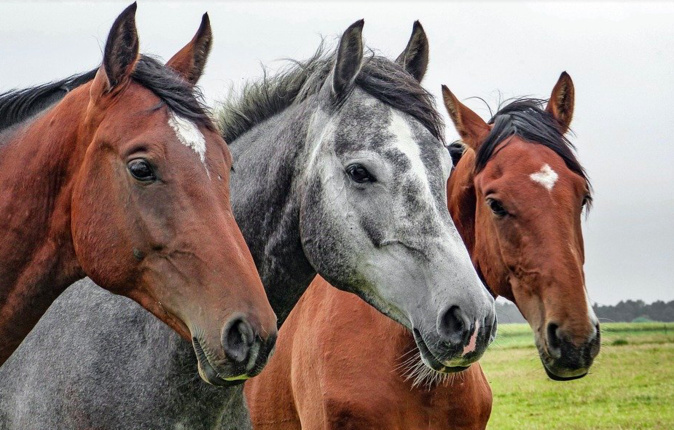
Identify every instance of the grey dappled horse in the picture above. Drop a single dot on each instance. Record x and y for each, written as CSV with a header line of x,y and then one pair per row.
x,y
339,170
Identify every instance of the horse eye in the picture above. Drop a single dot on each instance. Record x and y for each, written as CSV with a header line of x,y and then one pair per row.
x,y
496,207
586,201
141,170
358,173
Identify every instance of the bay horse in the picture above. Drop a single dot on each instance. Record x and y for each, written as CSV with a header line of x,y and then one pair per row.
x,y
125,179
516,196
339,169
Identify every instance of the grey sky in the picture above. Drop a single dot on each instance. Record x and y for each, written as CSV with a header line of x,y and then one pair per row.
x,y
620,56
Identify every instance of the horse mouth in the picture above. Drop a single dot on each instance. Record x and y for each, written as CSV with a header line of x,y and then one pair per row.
x,y
207,370
559,378
558,373
430,360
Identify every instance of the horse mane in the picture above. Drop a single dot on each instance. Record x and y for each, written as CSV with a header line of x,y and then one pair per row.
x,y
183,99
19,105
380,77
526,118
456,150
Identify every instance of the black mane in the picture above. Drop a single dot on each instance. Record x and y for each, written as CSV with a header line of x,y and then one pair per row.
x,y
183,99
527,119
380,77
19,105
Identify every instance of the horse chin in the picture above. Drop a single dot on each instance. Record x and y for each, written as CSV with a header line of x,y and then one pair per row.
x,y
431,361
555,377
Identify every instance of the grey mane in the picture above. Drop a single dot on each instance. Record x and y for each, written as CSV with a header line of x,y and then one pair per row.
x,y
381,78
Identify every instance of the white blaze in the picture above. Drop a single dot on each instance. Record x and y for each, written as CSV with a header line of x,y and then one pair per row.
x,y
189,135
407,145
546,177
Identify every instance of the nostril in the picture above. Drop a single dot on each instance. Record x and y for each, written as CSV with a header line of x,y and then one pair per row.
x,y
595,343
237,339
453,326
596,333
554,341
492,327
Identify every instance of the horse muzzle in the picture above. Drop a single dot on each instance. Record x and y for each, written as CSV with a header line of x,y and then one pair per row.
x,y
562,359
459,344
246,354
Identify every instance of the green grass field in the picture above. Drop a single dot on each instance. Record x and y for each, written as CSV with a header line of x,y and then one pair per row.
x,y
630,386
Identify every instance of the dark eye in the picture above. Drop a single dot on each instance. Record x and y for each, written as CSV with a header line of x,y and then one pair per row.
x,y
141,170
587,200
496,207
359,174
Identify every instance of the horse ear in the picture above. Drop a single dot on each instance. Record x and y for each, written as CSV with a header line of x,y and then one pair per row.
x,y
472,129
121,52
560,105
121,48
414,58
349,59
190,61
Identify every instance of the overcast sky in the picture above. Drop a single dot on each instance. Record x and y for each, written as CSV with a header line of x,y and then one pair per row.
x,y
620,56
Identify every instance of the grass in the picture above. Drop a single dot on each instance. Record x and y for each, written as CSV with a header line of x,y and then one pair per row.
x,y
630,386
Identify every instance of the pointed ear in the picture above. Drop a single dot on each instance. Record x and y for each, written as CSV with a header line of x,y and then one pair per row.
x,y
120,54
414,58
560,105
349,59
121,49
190,61
472,129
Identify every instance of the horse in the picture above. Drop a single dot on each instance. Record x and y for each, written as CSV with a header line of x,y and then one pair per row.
x,y
537,258
516,196
125,180
340,170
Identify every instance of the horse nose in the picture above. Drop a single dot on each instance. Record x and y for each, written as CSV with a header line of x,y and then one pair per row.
x,y
491,322
554,340
560,346
595,342
237,339
454,326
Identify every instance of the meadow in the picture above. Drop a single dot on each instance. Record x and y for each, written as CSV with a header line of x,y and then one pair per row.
x,y
630,386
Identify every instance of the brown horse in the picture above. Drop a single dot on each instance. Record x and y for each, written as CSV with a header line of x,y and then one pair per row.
x,y
516,197
524,230
126,180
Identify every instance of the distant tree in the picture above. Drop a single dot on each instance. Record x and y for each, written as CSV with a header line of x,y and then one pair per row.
x,y
629,310
624,311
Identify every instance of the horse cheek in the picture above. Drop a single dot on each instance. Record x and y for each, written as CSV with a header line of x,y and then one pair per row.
x,y
96,237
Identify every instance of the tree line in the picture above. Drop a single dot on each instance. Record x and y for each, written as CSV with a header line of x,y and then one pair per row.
x,y
624,311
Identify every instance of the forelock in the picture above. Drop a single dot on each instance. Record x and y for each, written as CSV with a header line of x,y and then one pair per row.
x,y
380,77
527,119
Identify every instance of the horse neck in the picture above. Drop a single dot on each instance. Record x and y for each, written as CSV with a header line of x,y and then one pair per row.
x,y
267,161
37,165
